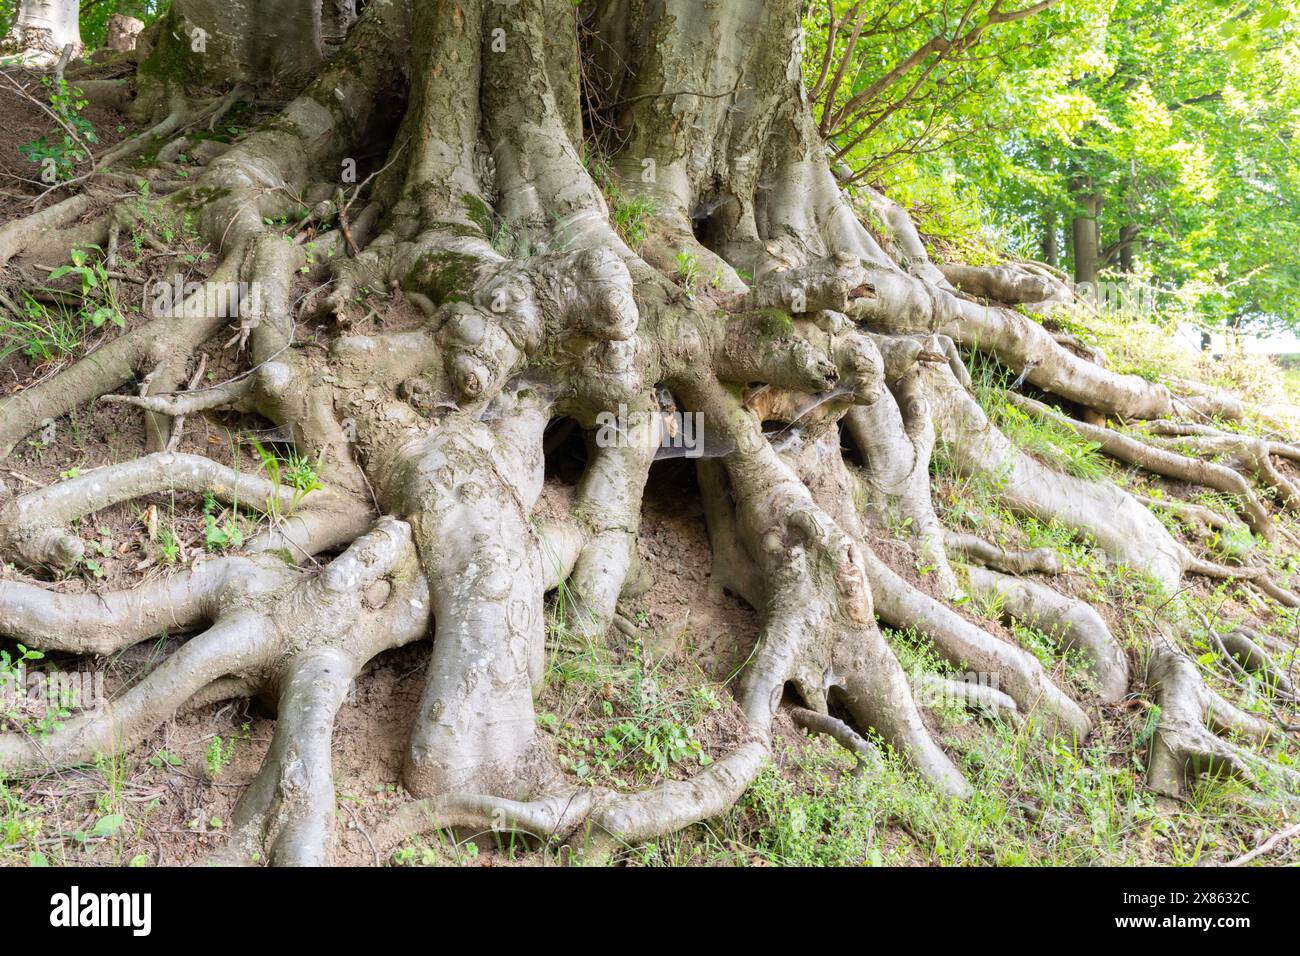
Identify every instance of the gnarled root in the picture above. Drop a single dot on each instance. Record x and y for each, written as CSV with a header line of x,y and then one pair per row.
x,y
34,526
1186,741
1073,623
1162,461
256,623
972,548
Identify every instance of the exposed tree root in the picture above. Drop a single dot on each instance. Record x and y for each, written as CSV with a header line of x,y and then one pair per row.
x,y
972,548
1073,623
1186,742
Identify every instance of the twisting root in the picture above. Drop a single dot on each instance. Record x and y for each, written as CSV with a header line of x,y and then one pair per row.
x,y
297,774
33,526
972,548
1259,661
895,436
106,623
1114,519
1073,623
1185,743
239,641
253,632
972,693
848,738
1251,455
1018,673
1161,461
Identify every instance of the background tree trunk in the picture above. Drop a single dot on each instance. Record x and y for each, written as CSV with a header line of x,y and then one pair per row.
x,y
46,25
1128,239
1086,234
1051,247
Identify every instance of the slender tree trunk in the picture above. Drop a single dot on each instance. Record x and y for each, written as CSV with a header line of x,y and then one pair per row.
x,y
1087,239
1051,249
1128,236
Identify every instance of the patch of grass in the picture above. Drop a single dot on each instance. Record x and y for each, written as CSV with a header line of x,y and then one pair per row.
x,y
1053,442
1037,802
20,826
42,333
688,273
629,215
626,723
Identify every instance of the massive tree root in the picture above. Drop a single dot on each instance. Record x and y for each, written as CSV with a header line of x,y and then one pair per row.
x,y
788,322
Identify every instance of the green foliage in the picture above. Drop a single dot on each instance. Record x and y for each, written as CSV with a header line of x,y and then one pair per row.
x,y
76,133
688,273
218,755
220,529
46,333
1058,444
629,214
1180,114
95,16
96,289
625,723
42,333
297,471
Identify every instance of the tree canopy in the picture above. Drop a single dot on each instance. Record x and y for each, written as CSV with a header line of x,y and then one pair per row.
x,y
1179,116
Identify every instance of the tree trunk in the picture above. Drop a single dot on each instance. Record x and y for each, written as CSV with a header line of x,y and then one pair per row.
x,y
1086,235
1128,239
220,41
46,27
1050,249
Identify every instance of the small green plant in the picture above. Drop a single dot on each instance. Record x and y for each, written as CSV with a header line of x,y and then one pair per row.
x,y
218,755
297,471
164,757
168,546
688,273
630,215
303,475
58,157
219,532
12,675
100,302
